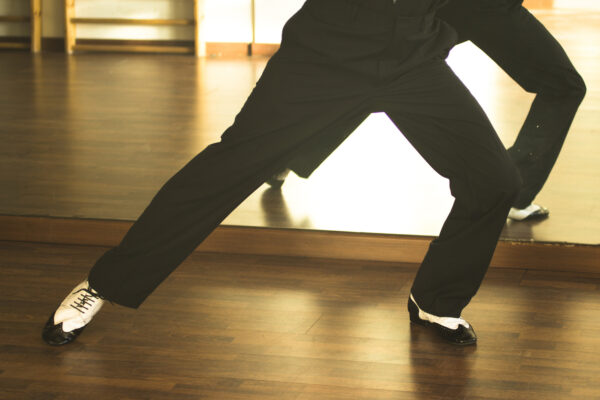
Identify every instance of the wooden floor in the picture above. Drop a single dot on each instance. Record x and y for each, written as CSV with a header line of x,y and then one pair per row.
x,y
95,135
244,327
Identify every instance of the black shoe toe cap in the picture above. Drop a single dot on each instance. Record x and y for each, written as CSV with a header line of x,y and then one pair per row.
x,y
461,336
54,335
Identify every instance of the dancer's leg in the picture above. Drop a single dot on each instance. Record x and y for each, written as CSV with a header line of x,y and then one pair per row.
x,y
442,120
265,135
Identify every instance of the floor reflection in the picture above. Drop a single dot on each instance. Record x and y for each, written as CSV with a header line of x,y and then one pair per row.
x,y
439,370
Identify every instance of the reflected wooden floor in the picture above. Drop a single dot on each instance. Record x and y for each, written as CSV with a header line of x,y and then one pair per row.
x,y
244,327
95,135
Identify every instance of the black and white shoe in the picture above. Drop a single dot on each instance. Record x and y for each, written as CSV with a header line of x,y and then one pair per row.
x,y
72,316
531,212
455,330
277,180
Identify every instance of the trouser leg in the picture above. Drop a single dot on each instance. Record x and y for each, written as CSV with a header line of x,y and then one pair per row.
x,y
265,135
445,124
306,88
523,47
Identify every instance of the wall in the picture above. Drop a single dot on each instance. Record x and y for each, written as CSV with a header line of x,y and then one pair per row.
x,y
226,20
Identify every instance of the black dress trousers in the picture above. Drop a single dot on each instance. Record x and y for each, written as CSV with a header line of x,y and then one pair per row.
x,y
524,49
339,61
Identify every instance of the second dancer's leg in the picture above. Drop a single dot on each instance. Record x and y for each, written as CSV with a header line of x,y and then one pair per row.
x,y
525,49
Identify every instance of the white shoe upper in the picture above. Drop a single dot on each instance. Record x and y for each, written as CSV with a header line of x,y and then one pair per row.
x,y
448,322
520,214
78,308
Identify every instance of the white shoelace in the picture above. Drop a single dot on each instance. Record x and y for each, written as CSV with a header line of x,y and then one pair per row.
x,y
448,322
78,308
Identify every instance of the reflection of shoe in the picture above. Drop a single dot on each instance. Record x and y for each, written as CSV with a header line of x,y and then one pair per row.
x,y
276,181
73,314
455,330
533,211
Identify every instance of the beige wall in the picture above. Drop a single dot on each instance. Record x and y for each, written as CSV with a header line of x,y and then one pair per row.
x,y
52,18
226,20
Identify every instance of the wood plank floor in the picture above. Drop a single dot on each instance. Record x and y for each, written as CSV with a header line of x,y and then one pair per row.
x,y
95,135
255,327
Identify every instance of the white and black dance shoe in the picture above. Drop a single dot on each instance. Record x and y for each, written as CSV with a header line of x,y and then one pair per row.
x,y
454,330
73,315
531,212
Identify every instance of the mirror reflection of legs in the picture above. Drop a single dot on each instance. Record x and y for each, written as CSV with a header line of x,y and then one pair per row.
x,y
519,44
